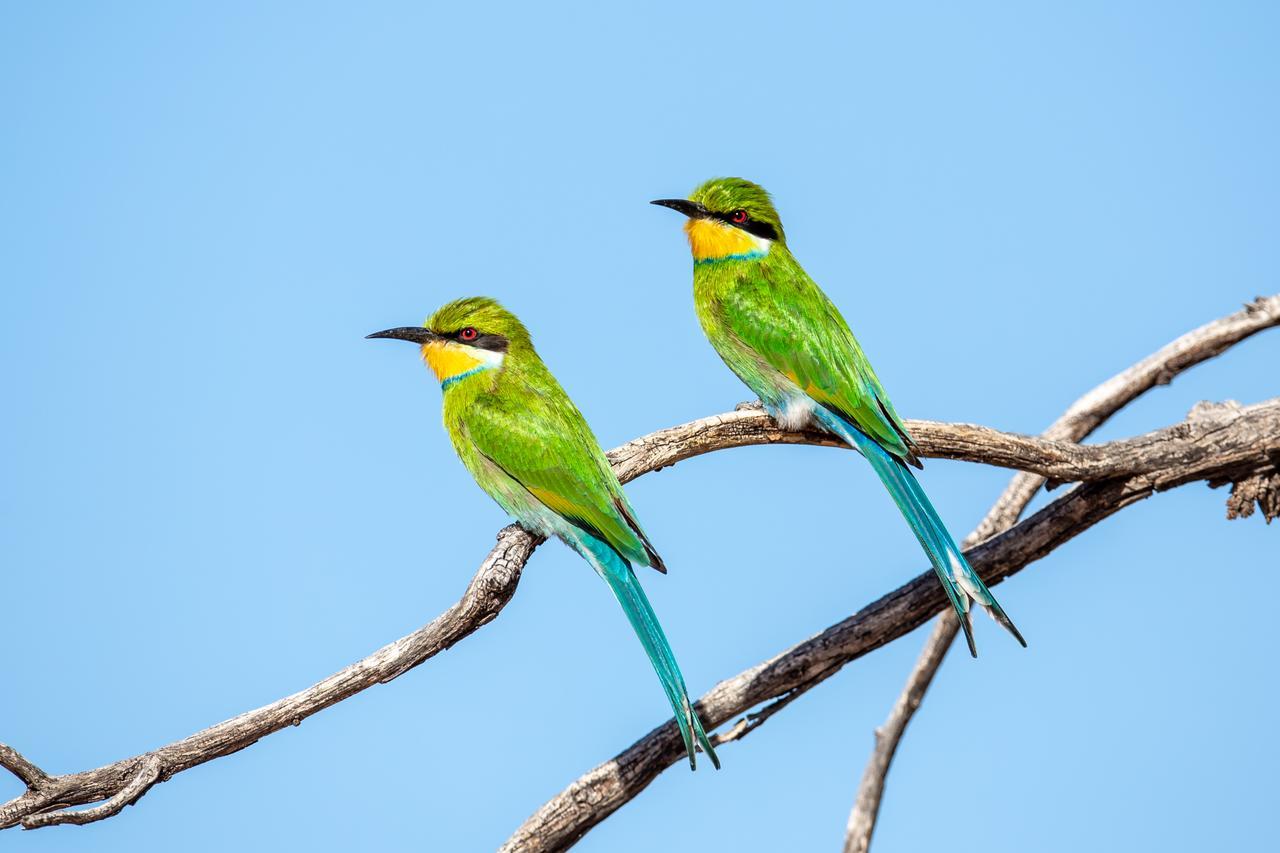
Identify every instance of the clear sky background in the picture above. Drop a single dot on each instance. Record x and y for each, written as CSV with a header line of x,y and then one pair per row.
x,y
214,492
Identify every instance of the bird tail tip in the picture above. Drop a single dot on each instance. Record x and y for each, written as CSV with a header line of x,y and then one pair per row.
x,y
962,584
1002,619
699,742
965,588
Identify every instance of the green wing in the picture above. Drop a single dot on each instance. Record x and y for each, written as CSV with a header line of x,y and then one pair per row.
x,y
541,440
795,329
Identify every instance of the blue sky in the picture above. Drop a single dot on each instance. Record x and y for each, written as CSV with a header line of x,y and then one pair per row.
x,y
214,492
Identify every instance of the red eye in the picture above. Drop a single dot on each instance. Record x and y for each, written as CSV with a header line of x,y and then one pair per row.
x,y
739,217
468,334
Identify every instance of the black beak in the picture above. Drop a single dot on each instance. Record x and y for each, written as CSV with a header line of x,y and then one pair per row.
x,y
691,209
413,334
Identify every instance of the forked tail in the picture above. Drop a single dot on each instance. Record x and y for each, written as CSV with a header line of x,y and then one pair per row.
x,y
958,578
626,587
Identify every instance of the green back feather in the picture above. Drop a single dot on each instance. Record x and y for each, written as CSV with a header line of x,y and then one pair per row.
x,y
775,327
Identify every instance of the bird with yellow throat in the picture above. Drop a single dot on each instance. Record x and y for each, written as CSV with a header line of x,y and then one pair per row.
x,y
775,328
527,445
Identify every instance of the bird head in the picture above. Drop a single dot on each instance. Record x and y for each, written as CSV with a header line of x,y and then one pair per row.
x,y
729,219
464,338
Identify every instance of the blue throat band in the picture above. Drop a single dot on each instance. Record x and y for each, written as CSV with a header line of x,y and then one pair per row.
x,y
753,255
444,386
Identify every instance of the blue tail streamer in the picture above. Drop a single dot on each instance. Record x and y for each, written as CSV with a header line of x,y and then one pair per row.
x,y
626,588
960,581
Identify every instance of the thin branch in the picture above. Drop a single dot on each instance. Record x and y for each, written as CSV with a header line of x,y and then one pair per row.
x,y
1059,461
13,761
147,775
1083,416
750,722
1159,368
486,595
862,819
600,792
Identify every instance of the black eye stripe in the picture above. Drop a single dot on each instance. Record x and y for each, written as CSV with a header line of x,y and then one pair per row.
x,y
483,340
751,226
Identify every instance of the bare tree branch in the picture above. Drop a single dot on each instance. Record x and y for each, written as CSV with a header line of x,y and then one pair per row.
x,y
493,586
600,792
495,582
124,781
557,825
15,763
862,819
1159,368
1059,461
147,774
1077,423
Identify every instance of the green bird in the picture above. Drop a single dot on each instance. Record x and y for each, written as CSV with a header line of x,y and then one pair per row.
x,y
782,336
530,449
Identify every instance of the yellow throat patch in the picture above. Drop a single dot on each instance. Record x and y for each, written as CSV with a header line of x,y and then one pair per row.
x,y
447,360
711,240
